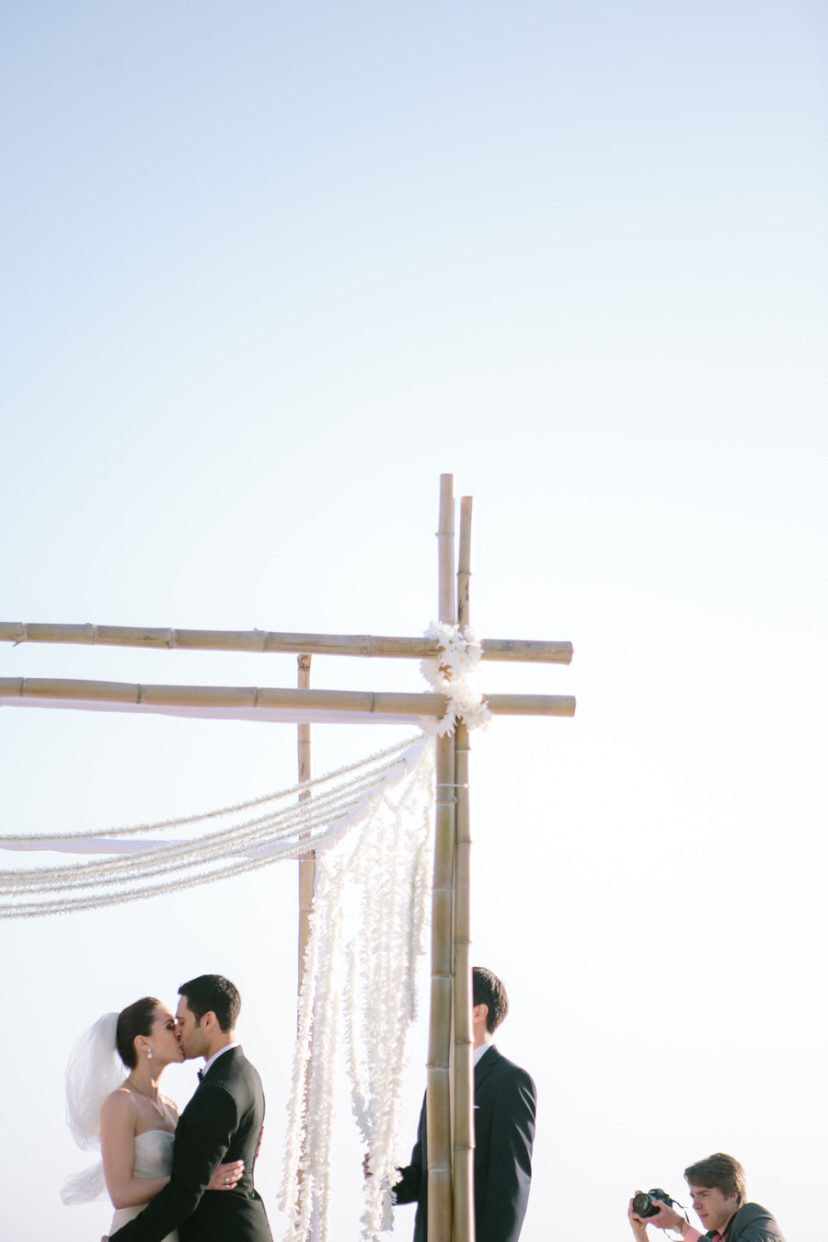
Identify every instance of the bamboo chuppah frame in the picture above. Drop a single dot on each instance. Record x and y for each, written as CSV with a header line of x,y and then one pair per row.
x,y
449,1112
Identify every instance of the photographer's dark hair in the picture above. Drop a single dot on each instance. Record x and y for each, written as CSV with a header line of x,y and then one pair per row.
x,y
136,1019
488,990
719,1172
213,993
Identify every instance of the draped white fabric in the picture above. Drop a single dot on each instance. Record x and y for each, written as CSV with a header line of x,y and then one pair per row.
x,y
261,715
208,846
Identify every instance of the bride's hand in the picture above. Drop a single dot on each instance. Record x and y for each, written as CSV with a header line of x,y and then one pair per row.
x,y
227,1176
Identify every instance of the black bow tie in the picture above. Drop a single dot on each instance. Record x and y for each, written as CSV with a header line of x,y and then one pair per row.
x,y
200,1074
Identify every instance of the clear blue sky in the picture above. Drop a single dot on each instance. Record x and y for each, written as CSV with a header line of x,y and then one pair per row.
x,y
267,271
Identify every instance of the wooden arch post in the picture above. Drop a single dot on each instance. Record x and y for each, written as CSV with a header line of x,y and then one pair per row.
x,y
438,1087
463,1151
307,863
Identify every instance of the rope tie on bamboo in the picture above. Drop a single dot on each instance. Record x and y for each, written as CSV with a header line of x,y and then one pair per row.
x,y
453,672
24,634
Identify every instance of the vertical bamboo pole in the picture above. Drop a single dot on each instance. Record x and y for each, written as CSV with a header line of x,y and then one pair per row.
x,y
307,864
438,1090
463,1155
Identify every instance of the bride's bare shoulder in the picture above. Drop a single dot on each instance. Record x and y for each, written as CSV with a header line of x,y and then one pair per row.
x,y
118,1106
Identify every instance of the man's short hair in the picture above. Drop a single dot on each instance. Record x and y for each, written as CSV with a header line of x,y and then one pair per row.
x,y
719,1172
488,990
213,993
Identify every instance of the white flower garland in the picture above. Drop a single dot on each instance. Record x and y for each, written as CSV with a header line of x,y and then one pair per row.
x,y
283,827
454,673
367,931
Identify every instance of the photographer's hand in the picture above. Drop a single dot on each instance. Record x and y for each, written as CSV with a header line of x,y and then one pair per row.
x,y
637,1224
668,1218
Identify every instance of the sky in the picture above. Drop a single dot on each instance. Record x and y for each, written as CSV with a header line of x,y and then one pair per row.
x,y
268,271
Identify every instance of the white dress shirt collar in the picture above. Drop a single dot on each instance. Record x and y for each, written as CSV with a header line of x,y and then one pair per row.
x,y
480,1052
216,1056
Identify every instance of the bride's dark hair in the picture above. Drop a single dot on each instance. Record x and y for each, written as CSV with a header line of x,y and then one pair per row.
x,y
136,1019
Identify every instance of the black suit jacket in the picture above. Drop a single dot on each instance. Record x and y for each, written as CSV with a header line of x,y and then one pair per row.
x,y
222,1122
753,1223
504,1131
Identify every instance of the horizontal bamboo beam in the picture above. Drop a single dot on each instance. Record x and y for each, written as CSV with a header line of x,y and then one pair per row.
x,y
267,641
387,703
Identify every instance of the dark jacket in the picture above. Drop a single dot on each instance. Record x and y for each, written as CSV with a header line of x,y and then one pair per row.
x,y
753,1223
222,1122
504,1131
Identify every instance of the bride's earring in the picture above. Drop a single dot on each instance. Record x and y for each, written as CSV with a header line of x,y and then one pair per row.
x,y
149,1054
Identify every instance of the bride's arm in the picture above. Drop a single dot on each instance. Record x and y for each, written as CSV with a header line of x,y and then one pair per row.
x,y
118,1117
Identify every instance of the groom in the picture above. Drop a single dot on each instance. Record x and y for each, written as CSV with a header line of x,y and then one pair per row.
x,y
221,1123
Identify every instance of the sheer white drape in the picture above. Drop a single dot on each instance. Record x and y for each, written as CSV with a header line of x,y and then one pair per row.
x,y
219,844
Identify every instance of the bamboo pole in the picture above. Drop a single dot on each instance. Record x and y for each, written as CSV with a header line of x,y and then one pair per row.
x,y
307,863
463,1155
248,699
270,642
307,869
438,1090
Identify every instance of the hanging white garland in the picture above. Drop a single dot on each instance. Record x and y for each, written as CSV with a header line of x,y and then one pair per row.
x,y
366,933
453,672
282,828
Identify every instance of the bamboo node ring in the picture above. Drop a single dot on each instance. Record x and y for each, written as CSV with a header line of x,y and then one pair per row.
x,y
24,634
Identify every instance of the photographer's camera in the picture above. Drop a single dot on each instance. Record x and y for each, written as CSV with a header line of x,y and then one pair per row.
x,y
644,1204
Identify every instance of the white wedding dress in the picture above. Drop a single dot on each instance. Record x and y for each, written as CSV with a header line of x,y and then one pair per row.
x,y
153,1158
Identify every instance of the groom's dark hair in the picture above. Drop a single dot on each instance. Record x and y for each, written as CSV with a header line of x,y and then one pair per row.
x,y
213,994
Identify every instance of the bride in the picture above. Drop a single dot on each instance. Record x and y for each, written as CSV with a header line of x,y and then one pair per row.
x,y
132,1121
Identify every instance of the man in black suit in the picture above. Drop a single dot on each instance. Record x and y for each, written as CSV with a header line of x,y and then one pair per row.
x,y
504,1129
221,1123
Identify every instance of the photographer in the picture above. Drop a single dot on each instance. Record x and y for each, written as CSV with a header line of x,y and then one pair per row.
x,y
717,1190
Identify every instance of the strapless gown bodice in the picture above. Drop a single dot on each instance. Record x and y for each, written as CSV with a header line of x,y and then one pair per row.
x,y
153,1158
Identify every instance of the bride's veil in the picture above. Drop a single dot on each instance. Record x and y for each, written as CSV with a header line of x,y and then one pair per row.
x,y
94,1070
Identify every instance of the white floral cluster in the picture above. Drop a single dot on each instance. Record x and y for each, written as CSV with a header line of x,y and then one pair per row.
x,y
367,931
454,673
